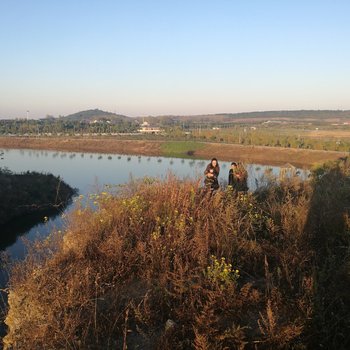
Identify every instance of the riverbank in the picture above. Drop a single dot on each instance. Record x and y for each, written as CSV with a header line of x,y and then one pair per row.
x,y
30,193
200,150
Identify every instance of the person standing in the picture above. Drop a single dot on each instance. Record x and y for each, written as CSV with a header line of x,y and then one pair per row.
x,y
233,176
212,174
237,177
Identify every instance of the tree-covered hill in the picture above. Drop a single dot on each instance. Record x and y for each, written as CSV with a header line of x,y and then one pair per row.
x,y
95,114
298,115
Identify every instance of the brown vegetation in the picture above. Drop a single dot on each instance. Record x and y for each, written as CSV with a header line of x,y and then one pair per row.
x,y
162,265
76,144
226,152
268,155
337,134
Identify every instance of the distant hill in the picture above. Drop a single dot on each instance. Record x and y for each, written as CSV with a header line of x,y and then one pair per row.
x,y
299,115
96,114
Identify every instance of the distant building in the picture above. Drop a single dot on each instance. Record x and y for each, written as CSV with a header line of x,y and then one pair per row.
x,y
273,122
100,121
146,128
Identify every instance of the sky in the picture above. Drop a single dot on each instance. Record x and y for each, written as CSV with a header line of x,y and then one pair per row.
x,y
173,57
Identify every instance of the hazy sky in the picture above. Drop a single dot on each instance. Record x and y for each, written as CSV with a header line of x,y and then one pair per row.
x,y
142,57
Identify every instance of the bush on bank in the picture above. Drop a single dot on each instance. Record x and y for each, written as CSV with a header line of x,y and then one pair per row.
x,y
162,265
30,192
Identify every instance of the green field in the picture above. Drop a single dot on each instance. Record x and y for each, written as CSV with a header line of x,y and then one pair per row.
x,y
180,149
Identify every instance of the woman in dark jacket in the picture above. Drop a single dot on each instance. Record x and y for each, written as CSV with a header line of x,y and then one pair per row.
x,y
211,174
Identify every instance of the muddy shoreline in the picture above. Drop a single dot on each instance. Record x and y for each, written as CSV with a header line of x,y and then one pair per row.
x,y
225,152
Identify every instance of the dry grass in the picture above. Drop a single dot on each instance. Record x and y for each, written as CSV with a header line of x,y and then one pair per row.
x,y
77,144
268,155
321,134
162,265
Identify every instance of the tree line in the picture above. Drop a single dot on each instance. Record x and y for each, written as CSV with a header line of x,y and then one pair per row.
x,y
57,126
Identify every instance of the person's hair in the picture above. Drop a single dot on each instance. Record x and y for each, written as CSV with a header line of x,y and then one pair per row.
x,y
234,163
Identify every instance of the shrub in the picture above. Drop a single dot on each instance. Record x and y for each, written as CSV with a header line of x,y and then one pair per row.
x,y
164,265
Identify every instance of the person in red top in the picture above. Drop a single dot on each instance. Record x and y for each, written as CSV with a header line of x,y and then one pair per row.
x,y
211,175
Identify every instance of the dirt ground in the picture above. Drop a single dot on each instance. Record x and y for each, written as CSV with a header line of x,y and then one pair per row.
x,y
225,152
97,145
268,155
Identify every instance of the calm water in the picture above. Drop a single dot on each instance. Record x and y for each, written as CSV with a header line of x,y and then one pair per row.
x,y
89,172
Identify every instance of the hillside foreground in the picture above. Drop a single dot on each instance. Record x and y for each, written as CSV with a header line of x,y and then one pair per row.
x,y
202,150
163,265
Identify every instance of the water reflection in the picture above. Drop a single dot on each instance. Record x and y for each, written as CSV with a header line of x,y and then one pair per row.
x,y
16,228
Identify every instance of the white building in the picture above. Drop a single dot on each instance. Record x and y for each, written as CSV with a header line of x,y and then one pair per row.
x,y
147,129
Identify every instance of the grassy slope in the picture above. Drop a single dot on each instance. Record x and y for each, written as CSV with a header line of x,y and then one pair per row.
x,y
262,271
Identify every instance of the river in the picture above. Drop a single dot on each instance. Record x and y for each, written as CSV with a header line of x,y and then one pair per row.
x,y
89,172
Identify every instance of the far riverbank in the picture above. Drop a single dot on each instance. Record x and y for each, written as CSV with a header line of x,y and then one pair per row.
x,y
200,150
